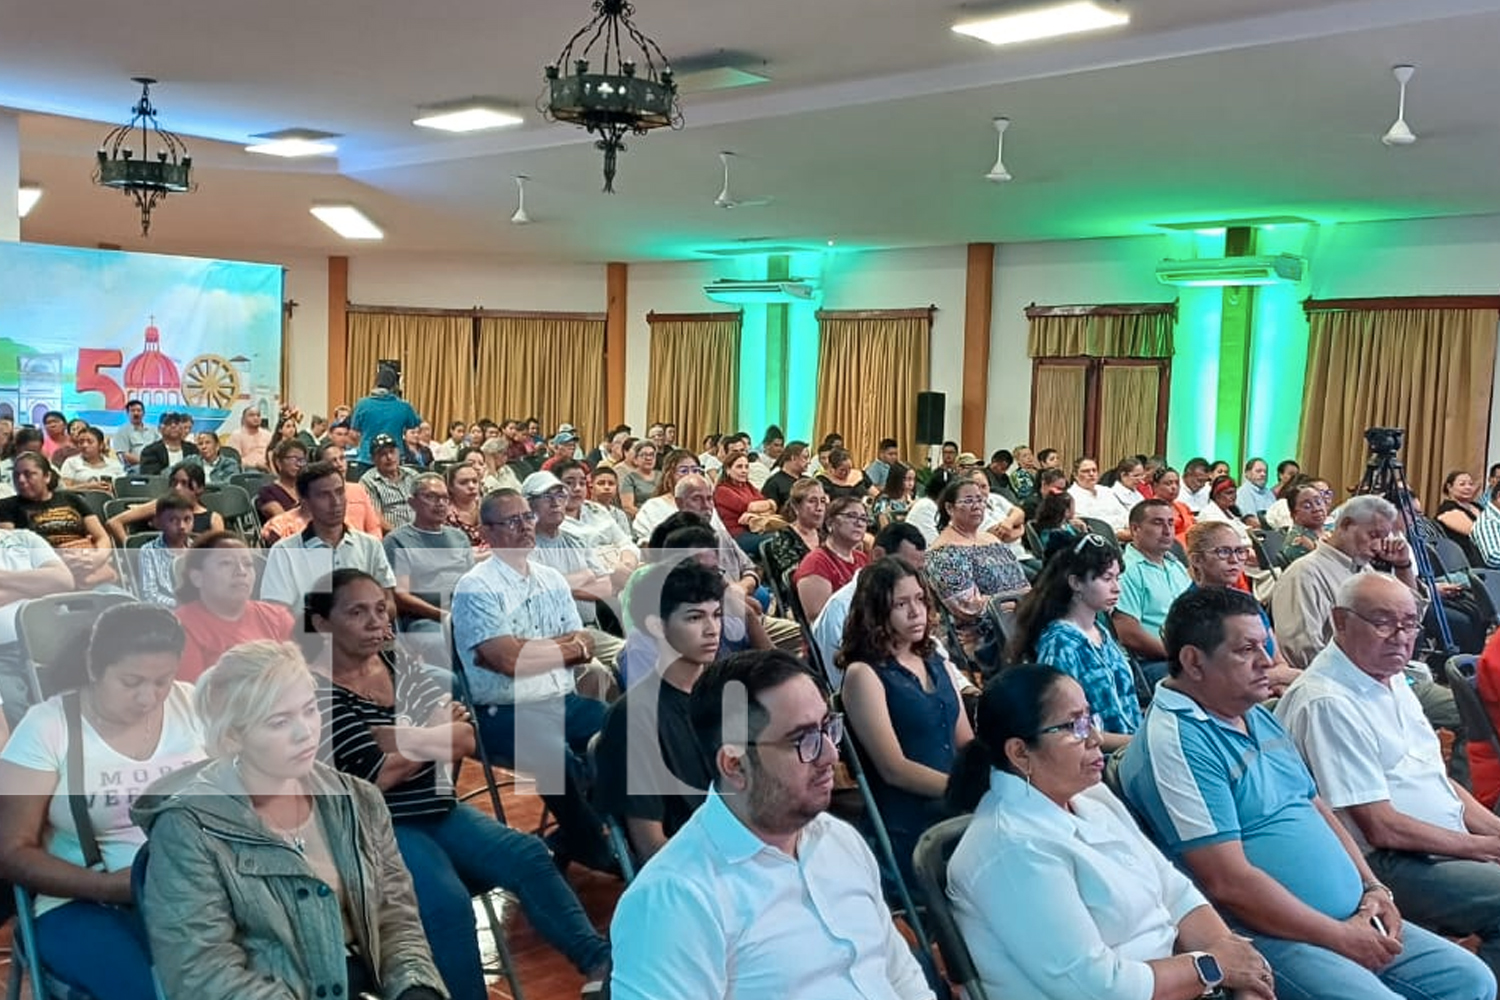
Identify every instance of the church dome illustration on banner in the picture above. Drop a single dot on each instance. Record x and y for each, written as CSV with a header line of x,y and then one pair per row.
x,y
205,388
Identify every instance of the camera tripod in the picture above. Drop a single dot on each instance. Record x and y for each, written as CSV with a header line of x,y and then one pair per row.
x,y
1385,476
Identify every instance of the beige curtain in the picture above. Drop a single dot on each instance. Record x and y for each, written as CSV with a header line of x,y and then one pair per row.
x,y
1057,409
1100,335
1427,370
436,355
695,375
869,373
1128,400
551,368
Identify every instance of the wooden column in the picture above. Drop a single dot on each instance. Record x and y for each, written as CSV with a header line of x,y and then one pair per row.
x,y
338,331
617,281
979,287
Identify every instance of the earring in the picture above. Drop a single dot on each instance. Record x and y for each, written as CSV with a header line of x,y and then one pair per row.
x,y
234,762
1028,778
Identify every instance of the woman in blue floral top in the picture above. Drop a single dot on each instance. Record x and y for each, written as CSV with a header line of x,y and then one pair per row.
x,y
1058,624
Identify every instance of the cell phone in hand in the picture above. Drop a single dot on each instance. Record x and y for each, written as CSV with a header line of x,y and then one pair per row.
x,y
1379,925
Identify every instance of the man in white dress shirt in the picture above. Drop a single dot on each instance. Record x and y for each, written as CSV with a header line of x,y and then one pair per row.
x,y
1379,765
762,892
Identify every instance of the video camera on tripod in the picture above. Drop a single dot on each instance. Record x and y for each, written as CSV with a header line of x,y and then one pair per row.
x,y
1385,476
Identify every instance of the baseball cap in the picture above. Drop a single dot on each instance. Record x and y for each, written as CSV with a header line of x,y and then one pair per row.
x,y
968,458
538,483
382,441
564,435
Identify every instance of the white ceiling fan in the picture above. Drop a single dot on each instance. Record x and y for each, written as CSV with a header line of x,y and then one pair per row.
x,y
1400,134
520,218
727,200
998,173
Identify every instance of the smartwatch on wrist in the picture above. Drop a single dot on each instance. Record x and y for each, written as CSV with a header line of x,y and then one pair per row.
x,y
1209,973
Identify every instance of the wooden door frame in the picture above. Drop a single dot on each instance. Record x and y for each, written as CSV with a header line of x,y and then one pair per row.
x,y
1093,369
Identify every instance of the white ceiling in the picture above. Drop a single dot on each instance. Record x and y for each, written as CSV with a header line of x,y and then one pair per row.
x,y
875,131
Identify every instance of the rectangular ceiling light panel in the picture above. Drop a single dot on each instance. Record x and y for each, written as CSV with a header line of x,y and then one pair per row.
x,y
1044,22
348,221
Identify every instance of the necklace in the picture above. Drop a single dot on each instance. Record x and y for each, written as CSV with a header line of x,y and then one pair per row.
x,y
294,837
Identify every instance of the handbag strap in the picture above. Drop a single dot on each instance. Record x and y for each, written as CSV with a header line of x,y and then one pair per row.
x,y
77,800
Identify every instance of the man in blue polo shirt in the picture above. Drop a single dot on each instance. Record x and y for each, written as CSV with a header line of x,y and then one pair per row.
x,y
1151,581
383,411
1224,792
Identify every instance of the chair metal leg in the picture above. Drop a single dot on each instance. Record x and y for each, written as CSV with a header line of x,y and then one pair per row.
x,y
507,965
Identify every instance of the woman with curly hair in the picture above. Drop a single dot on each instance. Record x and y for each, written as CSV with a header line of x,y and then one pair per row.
x,y
902,697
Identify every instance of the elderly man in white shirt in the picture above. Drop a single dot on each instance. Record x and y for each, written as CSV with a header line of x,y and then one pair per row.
x,y
1379,764
1097,502
762,893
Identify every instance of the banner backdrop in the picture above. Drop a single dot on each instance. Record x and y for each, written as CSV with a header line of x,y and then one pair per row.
x,y
82,331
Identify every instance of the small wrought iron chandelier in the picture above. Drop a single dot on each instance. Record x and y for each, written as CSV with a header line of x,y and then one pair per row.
x,y
617,97
144,179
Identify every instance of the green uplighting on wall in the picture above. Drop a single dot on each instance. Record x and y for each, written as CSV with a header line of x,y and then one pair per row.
x,y
774,389
1278,357
1193,409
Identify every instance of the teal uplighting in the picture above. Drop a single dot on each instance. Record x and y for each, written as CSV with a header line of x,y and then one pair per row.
x,y
764,392
1193,407
1278,355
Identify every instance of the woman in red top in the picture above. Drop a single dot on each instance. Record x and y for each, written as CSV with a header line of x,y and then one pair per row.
x,y
738,502
214,605
1166,485
1484,768
834,563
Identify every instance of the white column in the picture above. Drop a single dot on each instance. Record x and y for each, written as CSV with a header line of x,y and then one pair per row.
x,y
10,175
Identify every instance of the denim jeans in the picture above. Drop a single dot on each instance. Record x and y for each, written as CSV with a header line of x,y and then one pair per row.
x,y
1453,896
464,852
100,949
1428,968
556,736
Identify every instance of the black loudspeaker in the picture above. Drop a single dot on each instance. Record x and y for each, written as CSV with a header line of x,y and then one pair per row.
x,y
930,406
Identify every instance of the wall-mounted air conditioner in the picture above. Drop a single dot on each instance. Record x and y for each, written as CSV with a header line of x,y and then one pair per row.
x,y
1282,268
740,292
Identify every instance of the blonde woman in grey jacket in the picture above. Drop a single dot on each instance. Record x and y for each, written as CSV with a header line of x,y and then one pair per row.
x,y
272,875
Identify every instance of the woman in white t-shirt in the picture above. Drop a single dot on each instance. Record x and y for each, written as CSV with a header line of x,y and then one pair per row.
x,y
134,723
93,468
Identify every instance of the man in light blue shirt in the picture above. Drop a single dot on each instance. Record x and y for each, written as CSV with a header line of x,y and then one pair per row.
x,y
1255,497
1223,791
1151,581
762,893
135,435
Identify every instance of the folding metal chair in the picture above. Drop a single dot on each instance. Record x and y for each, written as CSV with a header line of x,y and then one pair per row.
x,y
25,964
930,863
145,487
233,504
619,842
46,626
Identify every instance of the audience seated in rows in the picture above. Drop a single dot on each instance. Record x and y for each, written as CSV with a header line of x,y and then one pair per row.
x,y
215,604
252,440
660,506
903,699
1224,792
93,467
841,478
389,483
896,496
1060,623
298,561
765,893
597,523
900,541
1166,485
1254,496
743,509
288,459
171,445
790,469
155,562
1096,502
639,478
1057,892
71,770
1215,558
133,435
187,480
426,557
387,720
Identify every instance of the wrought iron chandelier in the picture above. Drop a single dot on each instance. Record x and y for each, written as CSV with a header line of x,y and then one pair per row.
x,y
617,97
144,179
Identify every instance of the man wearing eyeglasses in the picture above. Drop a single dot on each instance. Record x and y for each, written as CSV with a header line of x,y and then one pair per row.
x,y
765,894
1380,765
1222,789
519,638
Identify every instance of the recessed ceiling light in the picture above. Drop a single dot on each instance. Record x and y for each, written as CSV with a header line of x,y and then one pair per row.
x,y
293,147
26,198
348,221
1044,22
467,116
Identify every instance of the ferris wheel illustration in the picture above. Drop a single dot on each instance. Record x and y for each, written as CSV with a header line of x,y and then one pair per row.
x,y
210,381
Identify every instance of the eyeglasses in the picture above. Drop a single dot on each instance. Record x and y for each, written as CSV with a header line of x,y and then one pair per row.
x,y
860,519
552,496
438,498
1080,727
969,502
1387,628
1088,539
514,523
1231,553
809,744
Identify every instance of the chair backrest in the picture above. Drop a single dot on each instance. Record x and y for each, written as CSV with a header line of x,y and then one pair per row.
x,y
776,573
619,842
1003,614
251,482
140,538
118,506
930,863
1272,542
1488,589
149,487
1034,542
47,626
1450,555
355,470
233,504
94,500
1102,529
1471,711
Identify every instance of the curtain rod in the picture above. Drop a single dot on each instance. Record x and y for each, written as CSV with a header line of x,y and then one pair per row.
x,y
1391,302
1035,311
475,313
703,317
924,312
